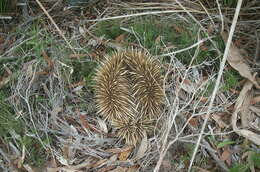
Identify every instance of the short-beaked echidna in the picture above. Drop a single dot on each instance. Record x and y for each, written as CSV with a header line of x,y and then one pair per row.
x,y
129,92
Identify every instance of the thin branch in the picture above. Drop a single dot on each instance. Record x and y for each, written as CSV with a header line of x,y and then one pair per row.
x,y
55,25
222,65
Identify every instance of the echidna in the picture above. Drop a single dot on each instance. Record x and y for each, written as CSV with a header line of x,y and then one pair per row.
x,y
112,88
133,130
129,92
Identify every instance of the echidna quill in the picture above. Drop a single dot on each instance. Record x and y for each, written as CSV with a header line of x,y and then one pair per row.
x,y
126,83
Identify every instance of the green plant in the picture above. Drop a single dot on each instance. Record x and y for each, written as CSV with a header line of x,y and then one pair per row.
x,y
231,80
7,6
8,120
110,29
239,168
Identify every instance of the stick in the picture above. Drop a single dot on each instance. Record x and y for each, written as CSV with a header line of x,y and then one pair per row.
x,y
220,72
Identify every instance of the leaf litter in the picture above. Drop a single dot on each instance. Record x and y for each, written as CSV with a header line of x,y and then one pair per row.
x,y
94,136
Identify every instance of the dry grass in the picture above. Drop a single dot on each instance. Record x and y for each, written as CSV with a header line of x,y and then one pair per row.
x,y
59,111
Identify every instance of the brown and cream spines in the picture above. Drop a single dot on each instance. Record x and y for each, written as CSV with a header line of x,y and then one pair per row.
x,y
129,93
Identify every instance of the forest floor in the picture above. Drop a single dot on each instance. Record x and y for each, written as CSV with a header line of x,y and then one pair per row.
x,y
210,57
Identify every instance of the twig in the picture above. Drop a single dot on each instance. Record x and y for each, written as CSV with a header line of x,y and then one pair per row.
x,y
187,48
221,16
55,25
143,14
6,17
222,65
215,157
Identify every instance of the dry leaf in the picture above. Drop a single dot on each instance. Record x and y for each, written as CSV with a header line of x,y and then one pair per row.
x,y
119,150
226,156
236,60
120,38
158,39
107,169
217,119
194,122
76,56
134,168
53,169
47,59
82,31
124,155
188,86
28,168
166,164
102,125
119,169
255,100
99,163
142,148
254,137
178,28
200,169
4,80
113,158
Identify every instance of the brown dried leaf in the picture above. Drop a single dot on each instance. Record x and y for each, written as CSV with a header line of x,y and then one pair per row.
x,y
47,59
194,122
120,38
142,148
99,163
119,150
226,156
200,169
108,168
255,100
188,86
124,155
119,169
218,120
28,168
247,90
133,168
166,164
4,80
236,60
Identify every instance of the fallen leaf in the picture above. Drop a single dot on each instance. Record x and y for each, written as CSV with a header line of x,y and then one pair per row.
x,y
110,168
188,86
134,168
102,125
158,39
119,169
47,59
120,38
73,56
124,155
200,169
166,164
99,163
218,120
113,158
236,60
119,150
255,100
254,137
178,28
28,168
226,156
142,148
194,122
